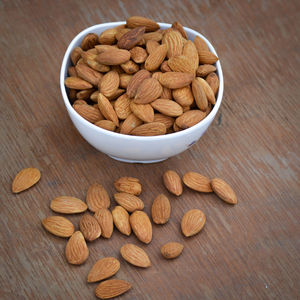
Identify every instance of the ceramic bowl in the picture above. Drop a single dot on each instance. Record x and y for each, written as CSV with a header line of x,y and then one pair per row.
x,y
136,149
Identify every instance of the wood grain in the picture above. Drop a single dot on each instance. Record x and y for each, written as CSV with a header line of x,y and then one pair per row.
x,y
249,251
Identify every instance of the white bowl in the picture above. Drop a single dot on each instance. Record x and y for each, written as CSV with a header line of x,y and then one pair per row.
x,y
136,149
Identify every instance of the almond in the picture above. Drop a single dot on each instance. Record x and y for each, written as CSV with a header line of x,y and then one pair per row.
x,y
124,80
106,124
103,48
161,209
76,250
94,97
157,75
107,109
197,182
208,90
166,94
90,60
149,129
103,268
88,112
85,94
154,36
109,83
135,256
108,36
130,202
171,250
204,70
141,226
156,57
25,179
131,38
131,122
112,288
207,57
190,51
165,67
167,107
136,81
130,67
58,226
128,185
166,120
72,72
199,95
68,205
149,90
89,41
179,27
97,197
192,222
88,74
151,45
200,44
176,80
137,21
121,32
79,102
117,94
113,57
77,83
172,182
183,96
176,128
89,227
223,190
144,112
122,107
190,118
181,63
174,42
76,55
121,220
105,220
138,55
72,95
213,80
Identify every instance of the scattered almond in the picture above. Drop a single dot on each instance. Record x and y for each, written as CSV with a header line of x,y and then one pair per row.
x,y
223,190
112,288
161,209
105,220
68,205
171,250
25,179
130,202
97,197
58,226
172,182
135,256
128,185
197,182
192,222
121,220
141,226
76,250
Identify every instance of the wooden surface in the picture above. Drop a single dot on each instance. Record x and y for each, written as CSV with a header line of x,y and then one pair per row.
x,y
249,251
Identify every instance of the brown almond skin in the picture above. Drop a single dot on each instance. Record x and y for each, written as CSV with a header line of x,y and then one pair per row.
x,y
156,57
89,227
192,222
112,288
77,83
97,197
129,201
113,57
121,220
25,179
141,226
204,70
183,96
149,90
105,220
109,83
58,226
137,21
76,250
166,120
103,269
199,95
161,209
88,112
223,190
167,107
171,250
172,182
68,205
174,42
135,255
136,81
149,129
197,182
145,112
131,122
107,109
138,55
175,80
190,118
129,185
213,80
131,38
89,41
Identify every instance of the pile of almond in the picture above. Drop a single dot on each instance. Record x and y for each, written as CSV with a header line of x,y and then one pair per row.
x,y
127,216
141,80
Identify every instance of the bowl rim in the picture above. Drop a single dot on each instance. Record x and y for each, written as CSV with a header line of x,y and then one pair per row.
x,y
206,121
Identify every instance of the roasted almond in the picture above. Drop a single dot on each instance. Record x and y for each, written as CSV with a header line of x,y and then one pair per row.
x,y
77,83
131,38
136,81
166,94
103,268
124,80
175,80
128,185
192,222
137,21
68,205
174,41
105,220
25,179
109,83
190,118
138,54
154,36
76,250
181,63
130,67
121,220
89,227
141,226
167,107
135,256
199,95
97,197
108,36
58,226
223,190
156,57
197,182
151,45
144,112
171,250
88,112
149,129
190,51
164,67
89,41
112,288
161,209
183,96
107,109
204,70
208,90
113,57
172,182
213,80
131,122
130,202
149,90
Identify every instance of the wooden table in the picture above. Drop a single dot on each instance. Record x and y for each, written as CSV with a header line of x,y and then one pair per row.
x,y
249,251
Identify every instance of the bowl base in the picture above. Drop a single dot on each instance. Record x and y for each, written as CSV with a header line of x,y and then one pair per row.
x,y
137,161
